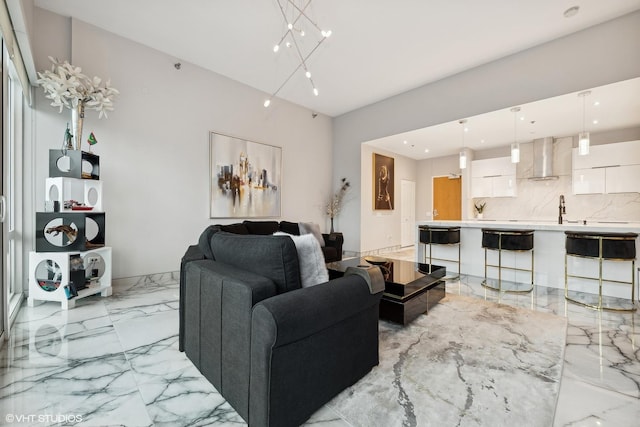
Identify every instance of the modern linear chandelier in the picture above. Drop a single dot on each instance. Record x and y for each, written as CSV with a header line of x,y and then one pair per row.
x,y
299,29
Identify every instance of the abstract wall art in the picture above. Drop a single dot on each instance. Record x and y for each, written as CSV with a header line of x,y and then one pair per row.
x,y
245,178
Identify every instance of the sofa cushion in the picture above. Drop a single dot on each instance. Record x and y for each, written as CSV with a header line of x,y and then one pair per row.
x,y
312,228
290,228
313,270
261,227
274,257
237,228
330,254
204,242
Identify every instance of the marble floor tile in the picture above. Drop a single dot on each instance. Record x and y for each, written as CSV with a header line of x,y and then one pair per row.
x,y
585,405
114,361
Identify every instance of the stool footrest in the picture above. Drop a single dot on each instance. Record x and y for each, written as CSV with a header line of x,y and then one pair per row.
x,y
509,287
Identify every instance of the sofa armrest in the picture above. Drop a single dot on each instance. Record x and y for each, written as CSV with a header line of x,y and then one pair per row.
x,y
316,308
218,302
308,345
193,254
334,240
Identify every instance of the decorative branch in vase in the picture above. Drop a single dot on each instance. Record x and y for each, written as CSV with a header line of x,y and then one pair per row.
x,y
68,87
335,203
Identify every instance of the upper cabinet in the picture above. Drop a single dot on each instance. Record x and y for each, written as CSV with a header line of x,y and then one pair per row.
x,y
608,168
493,178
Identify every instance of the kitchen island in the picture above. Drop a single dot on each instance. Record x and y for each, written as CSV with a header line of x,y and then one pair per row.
x,y
549,254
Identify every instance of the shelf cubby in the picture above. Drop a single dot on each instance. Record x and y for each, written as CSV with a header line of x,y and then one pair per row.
x,y
74,164
69,231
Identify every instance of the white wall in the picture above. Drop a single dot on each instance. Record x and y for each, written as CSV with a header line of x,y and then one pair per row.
x,y
380,229
600,55
154,147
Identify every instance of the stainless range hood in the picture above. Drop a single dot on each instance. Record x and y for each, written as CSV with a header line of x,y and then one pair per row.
x,y
543,159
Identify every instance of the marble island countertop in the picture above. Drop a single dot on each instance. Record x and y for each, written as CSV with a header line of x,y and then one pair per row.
x,y
597,226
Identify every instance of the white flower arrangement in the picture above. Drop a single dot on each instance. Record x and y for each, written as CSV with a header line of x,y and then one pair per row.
x,y
67,87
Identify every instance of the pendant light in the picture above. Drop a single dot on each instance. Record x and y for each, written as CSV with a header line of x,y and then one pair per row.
x,y
463,152
583,137
515,146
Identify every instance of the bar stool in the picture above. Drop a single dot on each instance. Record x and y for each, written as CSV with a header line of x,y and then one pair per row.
x,y
506,240
430,235
619,247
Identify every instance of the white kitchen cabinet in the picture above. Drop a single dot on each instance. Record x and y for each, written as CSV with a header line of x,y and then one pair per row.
x,y
619,153
622,179
588,181
608,168
505,186
493,167
493,178
481,187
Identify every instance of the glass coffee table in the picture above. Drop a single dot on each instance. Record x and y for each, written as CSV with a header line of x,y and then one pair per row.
x,y
411,288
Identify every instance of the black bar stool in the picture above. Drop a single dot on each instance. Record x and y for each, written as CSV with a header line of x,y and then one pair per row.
x,y
430,235
506,240
603,247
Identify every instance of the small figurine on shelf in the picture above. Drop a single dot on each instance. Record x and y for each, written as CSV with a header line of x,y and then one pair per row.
x,y
92,141
67,141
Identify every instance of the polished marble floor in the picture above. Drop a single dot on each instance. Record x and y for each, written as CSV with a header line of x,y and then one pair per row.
x,y
114,361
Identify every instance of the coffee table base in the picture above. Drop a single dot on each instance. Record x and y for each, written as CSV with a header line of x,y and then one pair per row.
x,y
404,311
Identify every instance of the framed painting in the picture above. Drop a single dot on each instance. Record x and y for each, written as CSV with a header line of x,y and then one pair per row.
x,y
245,178
383,183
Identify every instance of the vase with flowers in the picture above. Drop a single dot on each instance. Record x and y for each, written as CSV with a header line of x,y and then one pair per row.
x,y
66,86
335,203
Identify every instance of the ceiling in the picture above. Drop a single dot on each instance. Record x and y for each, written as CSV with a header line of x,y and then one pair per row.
x,y
378,48
614,106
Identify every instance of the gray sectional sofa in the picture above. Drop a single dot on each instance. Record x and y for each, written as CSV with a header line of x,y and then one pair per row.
x,y
275,351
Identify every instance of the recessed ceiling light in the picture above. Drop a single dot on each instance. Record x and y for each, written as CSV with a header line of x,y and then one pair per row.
x,y
595,121
596,103
404,142
426,150
482,141
572,11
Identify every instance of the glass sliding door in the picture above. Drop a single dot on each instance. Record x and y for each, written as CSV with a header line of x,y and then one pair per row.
x,y
11,200
4,308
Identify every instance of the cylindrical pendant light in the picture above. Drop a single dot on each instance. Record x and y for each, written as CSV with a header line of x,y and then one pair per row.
x,y
515,145
463,152
583,137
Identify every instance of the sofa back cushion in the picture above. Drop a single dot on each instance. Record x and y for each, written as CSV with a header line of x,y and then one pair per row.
x,y
237,228
204,242
274,257
261,227
290,228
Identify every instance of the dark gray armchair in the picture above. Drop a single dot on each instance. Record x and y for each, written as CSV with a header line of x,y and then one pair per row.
x,y
277,352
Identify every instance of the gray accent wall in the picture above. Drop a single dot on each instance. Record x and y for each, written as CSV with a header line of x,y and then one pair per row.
x,y
603,54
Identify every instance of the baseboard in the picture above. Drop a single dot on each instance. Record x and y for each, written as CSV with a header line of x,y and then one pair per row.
x,y
156,278
353,254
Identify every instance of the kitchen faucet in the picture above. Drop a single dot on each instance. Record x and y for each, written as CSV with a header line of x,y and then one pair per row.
x,y
562,210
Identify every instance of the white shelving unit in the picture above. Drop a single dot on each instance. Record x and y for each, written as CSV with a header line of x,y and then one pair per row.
x,y
50,273
71,261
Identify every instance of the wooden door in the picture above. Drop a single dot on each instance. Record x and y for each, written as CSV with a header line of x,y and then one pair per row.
x,y
447,198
